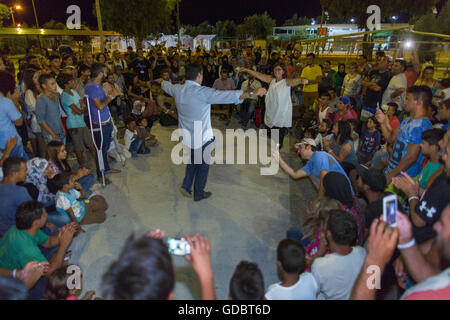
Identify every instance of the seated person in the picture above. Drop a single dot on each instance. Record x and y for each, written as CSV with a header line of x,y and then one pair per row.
x,y
168,115
296,284
71,209
57,288
370,142
20,245
336,272
430,149
11,195
149,257
144,132
134,142
247,282
39,171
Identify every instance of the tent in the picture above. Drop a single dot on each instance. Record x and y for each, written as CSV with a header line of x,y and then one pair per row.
x,y
204,41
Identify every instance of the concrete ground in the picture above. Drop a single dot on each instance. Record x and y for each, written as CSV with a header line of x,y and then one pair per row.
x,y
246,217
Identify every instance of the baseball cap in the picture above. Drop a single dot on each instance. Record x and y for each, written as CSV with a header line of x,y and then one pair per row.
x,y
344,100
309,141
374,178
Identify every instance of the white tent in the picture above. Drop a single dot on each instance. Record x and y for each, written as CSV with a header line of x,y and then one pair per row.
x,y
204,41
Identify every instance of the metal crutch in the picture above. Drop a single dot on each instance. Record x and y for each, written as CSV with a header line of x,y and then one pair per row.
x,y
101,164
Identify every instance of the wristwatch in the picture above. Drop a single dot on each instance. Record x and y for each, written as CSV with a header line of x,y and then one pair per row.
x,y
250,93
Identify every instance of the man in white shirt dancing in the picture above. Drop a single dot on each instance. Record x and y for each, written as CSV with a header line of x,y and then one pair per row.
x,y
193,102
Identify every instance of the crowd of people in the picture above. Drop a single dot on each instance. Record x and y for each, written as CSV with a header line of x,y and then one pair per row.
x,y
379,129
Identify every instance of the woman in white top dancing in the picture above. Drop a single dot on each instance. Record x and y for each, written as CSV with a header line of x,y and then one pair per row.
x,y
278,99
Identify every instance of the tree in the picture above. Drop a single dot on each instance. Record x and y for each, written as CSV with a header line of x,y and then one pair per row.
x,y
225,29
295,20
138,18
256,27
4,13
202,28
432,23
53,24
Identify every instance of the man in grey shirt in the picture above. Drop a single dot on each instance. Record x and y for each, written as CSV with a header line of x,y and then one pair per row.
x,y
193,102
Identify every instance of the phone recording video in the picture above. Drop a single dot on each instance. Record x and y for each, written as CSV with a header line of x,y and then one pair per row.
x,y
178,247
390,210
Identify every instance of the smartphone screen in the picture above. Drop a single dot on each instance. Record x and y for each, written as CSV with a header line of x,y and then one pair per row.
x,y
178,247
391,211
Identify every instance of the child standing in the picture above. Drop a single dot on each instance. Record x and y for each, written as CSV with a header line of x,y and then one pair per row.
x,y
133,141
370,141
71,209
430,149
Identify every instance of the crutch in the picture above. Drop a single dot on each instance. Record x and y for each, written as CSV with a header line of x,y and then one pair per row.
x,y
101,164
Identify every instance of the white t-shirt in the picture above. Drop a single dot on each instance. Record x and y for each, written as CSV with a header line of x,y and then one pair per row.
x,y
397,81
306,288
335,274
278,105
129,138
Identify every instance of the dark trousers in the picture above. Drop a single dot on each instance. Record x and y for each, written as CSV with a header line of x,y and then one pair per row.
x,y
282,132
198,171
107,132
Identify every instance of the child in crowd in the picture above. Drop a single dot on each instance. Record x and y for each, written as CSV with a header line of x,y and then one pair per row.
x,y
247,282
296,284
354,124
314,240
444,114
370,141
133,141
57,288
144,132
71,209
430,149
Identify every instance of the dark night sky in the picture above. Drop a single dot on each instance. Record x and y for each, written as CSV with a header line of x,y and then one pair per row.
x,y
191,11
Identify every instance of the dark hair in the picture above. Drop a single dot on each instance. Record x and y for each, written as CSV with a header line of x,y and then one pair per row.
x,y
331,89
247,282
56,288
28,80
12,289
143,271
62,79
393,105
82,69
328,123
29,58
61,179
343,227
129,120
354,122
52,155
311,55
53,56
44,78
422,93
363,56
445,83
100,54
374,119
428,68
328,61
11,165
192,70
325,94
291,255
282,66
402,62
27,213
433,136
344,132
7,83
96,69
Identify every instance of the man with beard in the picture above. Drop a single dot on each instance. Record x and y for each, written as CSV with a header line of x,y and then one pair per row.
x,y
100,115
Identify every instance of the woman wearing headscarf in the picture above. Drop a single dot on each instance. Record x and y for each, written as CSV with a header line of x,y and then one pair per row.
x,y
337,187
39,171
338,78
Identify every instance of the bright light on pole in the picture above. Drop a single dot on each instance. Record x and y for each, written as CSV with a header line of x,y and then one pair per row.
x,y
352,20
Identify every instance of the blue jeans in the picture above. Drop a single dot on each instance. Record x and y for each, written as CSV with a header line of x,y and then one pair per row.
x,y
297,235
87,182
19,151
197,171
58,219
136,146
107,132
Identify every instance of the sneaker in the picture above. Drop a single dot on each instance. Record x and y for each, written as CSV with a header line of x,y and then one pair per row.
x,y
186,193
206,195
147,150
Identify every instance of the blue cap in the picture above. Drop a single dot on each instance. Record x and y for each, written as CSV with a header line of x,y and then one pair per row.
x,y
344,100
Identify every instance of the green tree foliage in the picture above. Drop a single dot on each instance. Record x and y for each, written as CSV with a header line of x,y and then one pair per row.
x,y
256,27
202,28
139,18
296,20
432,23
53,24
225,29
4,13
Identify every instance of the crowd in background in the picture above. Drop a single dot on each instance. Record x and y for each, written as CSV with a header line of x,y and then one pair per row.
x,y
366,130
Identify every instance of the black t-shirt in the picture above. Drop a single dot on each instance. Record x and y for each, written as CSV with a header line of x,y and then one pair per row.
x,y
141,67
160,65
373,97
429,209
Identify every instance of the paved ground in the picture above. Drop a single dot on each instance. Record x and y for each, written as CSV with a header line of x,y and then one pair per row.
x,y
245,218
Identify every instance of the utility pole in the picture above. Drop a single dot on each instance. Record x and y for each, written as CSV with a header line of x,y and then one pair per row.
x,y
100,26
178,23
37,24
